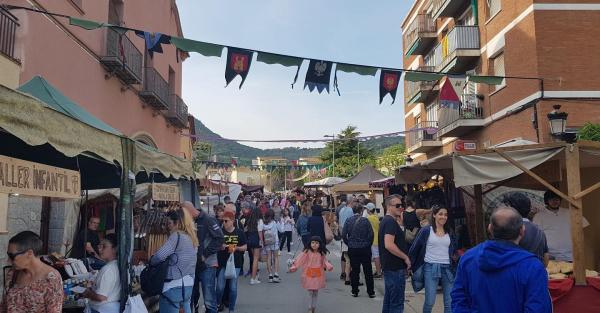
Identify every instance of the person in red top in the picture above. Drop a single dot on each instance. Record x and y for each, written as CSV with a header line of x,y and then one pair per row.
x,y
32,286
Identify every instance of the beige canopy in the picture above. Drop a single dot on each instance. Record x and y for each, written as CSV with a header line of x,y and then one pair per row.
x,y
360,181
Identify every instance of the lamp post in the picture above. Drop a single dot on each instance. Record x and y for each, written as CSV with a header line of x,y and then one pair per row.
x,y
408,160
358,150
558,121
333,143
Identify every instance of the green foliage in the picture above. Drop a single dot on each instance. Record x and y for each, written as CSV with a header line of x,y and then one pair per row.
x,y
391,158
348,166
589,131
346,146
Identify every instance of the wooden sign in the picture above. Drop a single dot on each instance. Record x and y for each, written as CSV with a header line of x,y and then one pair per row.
x,y
35,179
165,192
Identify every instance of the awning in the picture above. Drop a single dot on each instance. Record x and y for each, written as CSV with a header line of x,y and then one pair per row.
x,y
381,183
360,181
152,160
325,182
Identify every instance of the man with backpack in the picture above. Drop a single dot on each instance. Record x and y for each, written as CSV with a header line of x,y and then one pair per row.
x,y
358,235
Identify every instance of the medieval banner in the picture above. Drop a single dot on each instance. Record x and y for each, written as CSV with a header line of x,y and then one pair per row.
x,y
388,83
238,63
318,75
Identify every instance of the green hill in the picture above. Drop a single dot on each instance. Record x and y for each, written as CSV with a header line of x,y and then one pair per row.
x,y
225,149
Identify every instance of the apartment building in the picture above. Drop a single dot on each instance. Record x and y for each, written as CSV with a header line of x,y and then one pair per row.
x,y
552,40
115,80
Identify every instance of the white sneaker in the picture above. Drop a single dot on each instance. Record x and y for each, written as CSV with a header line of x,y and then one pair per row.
x,y
270,278
254,281
291,243
289,253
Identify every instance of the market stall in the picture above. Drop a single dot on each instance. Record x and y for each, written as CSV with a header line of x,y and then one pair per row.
x,y
359,184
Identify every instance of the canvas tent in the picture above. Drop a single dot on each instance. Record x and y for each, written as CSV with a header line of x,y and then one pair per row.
x,y
325,182
360,181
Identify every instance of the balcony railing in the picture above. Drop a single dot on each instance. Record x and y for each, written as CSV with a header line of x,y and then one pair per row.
x,y
155,90
447,7
178,111
123,59
469,108
459,38
413,89
424,131
8,29
423,23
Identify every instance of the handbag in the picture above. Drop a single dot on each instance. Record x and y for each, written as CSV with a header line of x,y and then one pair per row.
x,y
135,304
328,232
230,272
153,277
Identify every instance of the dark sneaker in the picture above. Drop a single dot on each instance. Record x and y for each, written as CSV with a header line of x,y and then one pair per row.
x,y
355,294
347,283
343,276
372,296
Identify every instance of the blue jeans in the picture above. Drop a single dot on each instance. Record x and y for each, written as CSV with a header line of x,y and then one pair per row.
x,y
433,274
171,300
232,288
393,298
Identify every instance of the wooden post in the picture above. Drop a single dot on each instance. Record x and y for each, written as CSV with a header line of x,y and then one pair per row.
x,y
479,223
3,213
574,187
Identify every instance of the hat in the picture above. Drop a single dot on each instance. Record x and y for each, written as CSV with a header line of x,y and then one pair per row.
x,y
370,206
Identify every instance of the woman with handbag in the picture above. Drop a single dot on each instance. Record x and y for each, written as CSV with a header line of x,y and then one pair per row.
x,y
433,255
180,251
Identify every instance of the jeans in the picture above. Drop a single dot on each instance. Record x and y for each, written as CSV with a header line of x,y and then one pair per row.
x,y
393,298
358,257
206,279
171,300
433,274
286,236
221,281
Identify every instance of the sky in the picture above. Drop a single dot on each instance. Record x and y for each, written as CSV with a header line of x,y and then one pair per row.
x,y
266,107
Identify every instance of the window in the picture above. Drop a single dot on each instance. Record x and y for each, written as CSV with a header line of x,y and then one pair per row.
x,y
497,64
432,112
493,7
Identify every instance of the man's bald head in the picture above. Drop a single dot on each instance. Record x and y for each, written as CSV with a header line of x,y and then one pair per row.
x,y
188,206
506,224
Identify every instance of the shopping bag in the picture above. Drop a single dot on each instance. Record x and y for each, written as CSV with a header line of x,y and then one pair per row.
x,y
135,304
230,271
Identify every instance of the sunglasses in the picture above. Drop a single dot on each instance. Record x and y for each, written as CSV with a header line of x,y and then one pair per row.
x,y
12,256
398,205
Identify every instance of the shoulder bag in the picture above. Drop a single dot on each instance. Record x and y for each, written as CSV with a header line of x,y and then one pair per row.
x,y
153,277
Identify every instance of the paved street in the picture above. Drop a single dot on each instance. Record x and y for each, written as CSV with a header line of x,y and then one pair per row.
x,y
288,296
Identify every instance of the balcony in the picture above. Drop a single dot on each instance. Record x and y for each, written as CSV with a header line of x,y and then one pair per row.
x,y
126,62
447,8
8,29
455,122
178,112
155,91
417,92
457,52
420,35
422,139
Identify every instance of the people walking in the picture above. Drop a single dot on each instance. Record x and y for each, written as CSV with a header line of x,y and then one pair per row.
x,y
433,256
498,275
210,238
270,233
287,223
313,261
234,242
254,238
316,223
374,220
181,251
302,223
394,259
344,213
357,233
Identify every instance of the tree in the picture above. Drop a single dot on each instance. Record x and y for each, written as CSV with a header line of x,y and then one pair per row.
x,y
391,158
589,131
201,152
347,151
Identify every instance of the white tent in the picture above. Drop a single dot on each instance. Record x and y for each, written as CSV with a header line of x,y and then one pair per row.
x,y
325,182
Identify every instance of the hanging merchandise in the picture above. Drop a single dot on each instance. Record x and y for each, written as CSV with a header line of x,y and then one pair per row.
x,y
448,97
238,63
388,83
318,75
153,41
270,58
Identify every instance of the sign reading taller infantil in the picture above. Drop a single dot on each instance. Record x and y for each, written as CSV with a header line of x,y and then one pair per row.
x,y
35,179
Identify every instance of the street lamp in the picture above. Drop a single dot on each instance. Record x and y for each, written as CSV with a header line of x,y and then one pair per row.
x,y
333,142
408,160
558,121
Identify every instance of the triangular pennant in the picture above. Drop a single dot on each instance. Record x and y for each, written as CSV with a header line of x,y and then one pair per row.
x,y
388,83
270,58
318,75
448,97
154,41
238,63
458,84
206,49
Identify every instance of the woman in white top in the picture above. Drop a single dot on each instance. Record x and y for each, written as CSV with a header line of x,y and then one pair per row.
x,y
287,223
105,293
433,255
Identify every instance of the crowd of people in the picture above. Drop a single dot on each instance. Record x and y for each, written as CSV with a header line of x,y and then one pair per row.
x,y
206,255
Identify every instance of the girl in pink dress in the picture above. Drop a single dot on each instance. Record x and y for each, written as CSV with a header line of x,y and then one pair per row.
x,y
313,261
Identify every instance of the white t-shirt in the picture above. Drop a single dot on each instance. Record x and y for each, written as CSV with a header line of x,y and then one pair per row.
x,y
557,227
437,249
107,284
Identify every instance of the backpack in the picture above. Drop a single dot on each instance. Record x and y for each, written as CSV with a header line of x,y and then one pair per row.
x,y
270,236
153,277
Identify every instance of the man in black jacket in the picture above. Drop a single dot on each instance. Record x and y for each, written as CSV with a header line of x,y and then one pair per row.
x,y
358,235
210,237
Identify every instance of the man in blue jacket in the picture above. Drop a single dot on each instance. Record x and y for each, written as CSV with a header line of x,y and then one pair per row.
x,y
498,275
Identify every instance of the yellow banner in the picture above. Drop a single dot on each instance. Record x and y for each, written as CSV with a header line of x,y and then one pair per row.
x,y
35,179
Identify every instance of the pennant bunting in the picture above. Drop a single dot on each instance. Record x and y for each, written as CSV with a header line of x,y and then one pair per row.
x,y
86,24
357,69
490,80
318,75
388,84
154,41
206,49
448,97
422,76
458,84
238,63
270,58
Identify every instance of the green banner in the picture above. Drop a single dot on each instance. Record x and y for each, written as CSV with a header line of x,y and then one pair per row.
x,y
357,69
87,24
490,80
421,77
270,58
206,49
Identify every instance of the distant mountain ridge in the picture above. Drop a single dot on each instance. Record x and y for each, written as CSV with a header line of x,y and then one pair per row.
x,y
225,149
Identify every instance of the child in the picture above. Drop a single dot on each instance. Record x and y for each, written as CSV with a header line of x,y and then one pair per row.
x,y
288,225
313,260
270,229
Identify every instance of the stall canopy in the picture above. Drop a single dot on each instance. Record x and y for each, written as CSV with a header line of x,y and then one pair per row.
x,y
325,182
384,182
360,181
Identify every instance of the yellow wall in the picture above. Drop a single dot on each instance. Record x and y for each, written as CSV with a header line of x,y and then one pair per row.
x,y
10,72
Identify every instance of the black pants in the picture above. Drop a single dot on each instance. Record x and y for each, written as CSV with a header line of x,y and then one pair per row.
x,y
287,236
358,257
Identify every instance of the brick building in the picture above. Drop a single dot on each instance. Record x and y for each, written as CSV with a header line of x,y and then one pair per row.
x,y
547,39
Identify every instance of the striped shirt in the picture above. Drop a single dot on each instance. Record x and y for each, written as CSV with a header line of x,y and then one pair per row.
x,y
182,260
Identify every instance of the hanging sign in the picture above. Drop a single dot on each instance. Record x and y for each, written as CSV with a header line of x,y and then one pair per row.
x,y
164,192
35,179
465,145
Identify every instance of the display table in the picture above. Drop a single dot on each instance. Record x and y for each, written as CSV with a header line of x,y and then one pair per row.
x,y
566,297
